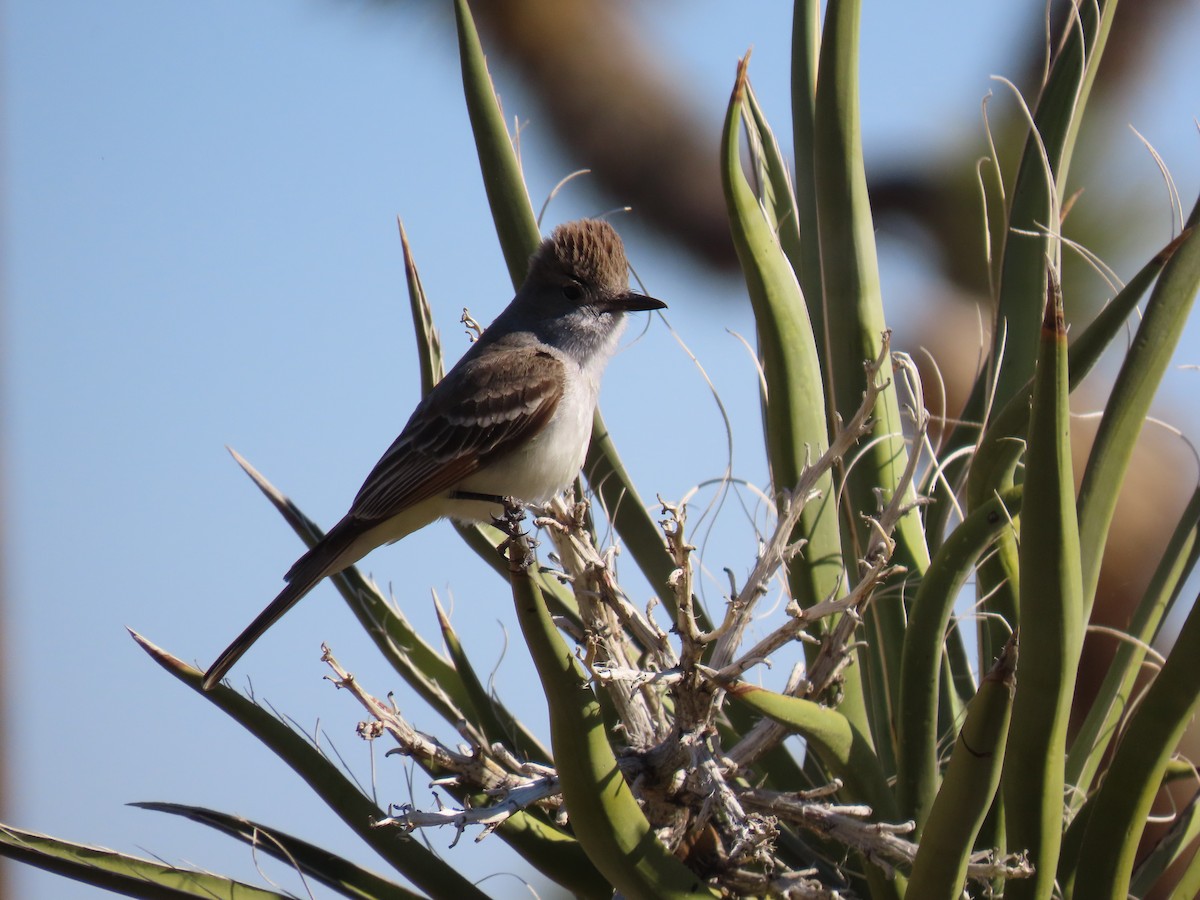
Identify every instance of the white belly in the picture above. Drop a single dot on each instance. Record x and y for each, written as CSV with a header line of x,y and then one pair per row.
x,y
547,464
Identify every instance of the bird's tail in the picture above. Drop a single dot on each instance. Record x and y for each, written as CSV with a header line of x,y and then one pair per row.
x,y
323,559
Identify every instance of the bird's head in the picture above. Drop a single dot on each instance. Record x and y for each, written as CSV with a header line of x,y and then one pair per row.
x,y
582,266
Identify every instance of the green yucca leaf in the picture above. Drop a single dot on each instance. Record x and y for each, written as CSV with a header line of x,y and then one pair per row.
x,y
347,878
429,673
969,787
485,711
121,873
429,345
1088,346
605,818
998,452
440,683
1116,691
953,564
766,237
485,541
435,679
806,40
844,751
776,188
1122,803
855,326
1051,619
1189,882
516,226
343,796
1033,216
1084,352
853,302
1034,206
538,842
1182,834
994,463
794,416
796,426
1125,413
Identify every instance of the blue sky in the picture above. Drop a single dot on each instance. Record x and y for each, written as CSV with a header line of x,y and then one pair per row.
x,y
200,249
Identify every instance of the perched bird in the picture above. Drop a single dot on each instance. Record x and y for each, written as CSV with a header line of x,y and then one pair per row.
x,y
512,419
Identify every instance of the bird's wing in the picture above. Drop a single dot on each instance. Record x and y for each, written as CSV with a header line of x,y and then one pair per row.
x,y
474,415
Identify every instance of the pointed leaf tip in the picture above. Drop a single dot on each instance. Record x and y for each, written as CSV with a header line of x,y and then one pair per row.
x,y
272,493
167,660
1168,251
143,642
410,265
443,619
740,83
254,474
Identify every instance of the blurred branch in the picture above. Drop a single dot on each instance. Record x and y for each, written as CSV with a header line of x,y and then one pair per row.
x,y
619,111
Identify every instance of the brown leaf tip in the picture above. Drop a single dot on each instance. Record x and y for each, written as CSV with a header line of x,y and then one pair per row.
x,y
1004,668
1054,324
1165,254
410,265
743,78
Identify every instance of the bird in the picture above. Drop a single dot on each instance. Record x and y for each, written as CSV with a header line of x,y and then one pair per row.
x,y
511,419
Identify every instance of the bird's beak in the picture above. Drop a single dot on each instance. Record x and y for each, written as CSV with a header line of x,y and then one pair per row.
x,y
634,302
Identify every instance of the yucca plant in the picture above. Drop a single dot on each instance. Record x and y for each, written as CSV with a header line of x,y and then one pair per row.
x,y
924,773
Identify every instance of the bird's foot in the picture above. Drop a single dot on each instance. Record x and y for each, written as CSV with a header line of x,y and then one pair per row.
x,y
515,538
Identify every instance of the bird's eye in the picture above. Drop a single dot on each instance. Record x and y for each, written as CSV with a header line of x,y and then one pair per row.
x,y
573,291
